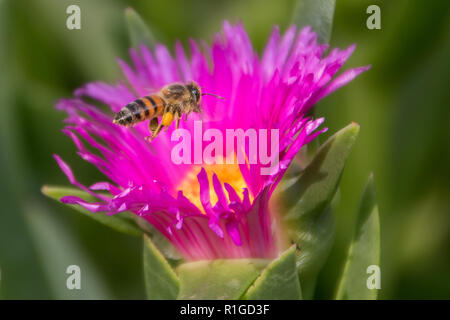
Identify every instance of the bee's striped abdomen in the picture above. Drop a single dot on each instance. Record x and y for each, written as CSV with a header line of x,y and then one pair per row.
x,y
139,110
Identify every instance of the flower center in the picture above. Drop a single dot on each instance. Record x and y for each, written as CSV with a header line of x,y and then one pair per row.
x,y
227,173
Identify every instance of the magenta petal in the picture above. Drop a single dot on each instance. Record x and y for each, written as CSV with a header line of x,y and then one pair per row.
x,y
101,186
65,168
93,207
311,126
204,190
105,186
214,225
131,77
246,200
179,223
312,136
340,81
232,193
233,231
220,193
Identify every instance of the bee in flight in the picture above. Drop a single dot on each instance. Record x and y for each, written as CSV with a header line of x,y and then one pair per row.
x,y
170,103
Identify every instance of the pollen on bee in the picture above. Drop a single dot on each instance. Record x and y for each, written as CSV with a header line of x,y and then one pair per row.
x,y
167,119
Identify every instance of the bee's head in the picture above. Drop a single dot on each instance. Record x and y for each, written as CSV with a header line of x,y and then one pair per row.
x,y
196,94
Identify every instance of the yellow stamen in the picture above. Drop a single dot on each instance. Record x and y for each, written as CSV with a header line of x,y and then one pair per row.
x,y
227,173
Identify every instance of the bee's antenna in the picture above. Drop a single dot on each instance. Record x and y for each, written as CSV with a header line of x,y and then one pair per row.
x,y
214,95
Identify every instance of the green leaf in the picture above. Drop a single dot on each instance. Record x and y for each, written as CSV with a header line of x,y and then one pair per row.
x,y
315,13
306,200
138,30
364,250
161,282
279,281
311,191
163,244
58,248
123,222
222,279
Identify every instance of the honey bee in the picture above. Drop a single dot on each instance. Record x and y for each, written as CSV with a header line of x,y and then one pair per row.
x,y
170,103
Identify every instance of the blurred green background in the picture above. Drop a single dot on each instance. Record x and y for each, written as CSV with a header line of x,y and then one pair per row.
x,y
402,105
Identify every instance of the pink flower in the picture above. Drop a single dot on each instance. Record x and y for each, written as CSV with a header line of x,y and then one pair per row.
x,y
207,211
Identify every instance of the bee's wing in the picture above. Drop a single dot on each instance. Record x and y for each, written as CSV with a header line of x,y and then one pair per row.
x,y
174,91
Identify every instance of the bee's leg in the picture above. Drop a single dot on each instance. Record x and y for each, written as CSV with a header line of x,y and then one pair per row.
x,y
153,126
185,115
177,114
157,131
165,121
178,118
